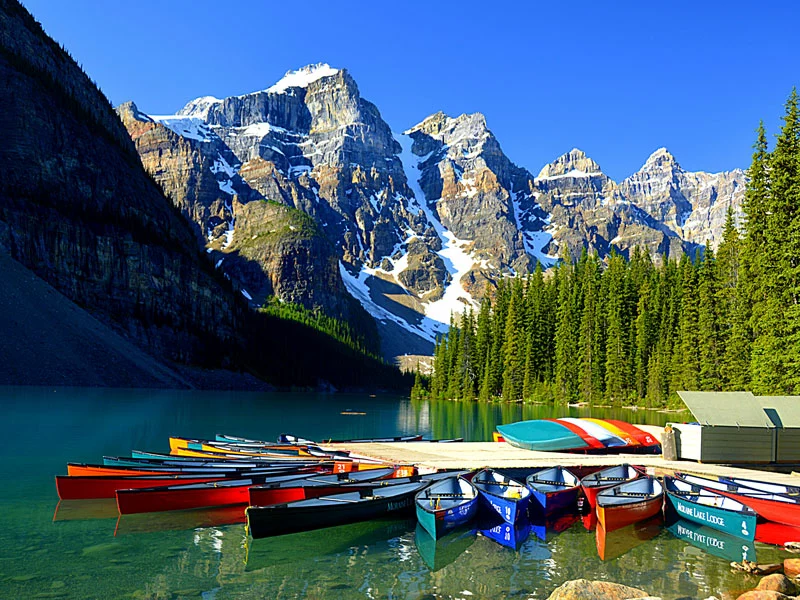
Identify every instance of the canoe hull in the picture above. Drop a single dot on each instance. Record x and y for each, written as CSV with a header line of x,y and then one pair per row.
x,y
440,522
84,488
785,510
780,512
551,504
156,500
281,519
542,435
612,518
733,523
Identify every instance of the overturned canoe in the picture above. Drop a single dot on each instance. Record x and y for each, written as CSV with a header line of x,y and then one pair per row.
x,y
595,429
541,435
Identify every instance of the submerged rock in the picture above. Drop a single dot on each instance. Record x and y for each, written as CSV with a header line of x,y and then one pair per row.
x,y
763,595
791,567
583,589
778,583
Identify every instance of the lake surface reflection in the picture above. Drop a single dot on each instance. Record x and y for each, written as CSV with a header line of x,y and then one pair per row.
x,y
74,552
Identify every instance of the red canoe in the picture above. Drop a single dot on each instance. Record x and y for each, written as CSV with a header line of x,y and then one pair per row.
x,y
629,503
776,533
606,478
83,488
198,495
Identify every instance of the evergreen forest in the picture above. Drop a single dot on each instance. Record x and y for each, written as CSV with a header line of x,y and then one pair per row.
x,y
633,331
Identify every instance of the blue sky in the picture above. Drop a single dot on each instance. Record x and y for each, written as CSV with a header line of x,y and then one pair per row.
x,y
616,79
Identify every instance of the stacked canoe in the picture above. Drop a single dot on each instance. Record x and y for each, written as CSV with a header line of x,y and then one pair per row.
x,y
598,436
226,472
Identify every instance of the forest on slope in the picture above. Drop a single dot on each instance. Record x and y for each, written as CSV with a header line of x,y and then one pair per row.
x,y
634,332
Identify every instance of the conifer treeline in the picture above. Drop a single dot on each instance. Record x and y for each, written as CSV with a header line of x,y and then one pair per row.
x,y
634,332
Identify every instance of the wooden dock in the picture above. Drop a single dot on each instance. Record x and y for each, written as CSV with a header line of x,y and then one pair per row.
x,y
476,455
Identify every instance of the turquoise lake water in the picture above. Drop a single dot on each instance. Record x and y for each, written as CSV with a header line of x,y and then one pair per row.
x,y
194,554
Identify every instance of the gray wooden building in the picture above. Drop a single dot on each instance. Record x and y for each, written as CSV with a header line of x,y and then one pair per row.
x,y
731,427
784,412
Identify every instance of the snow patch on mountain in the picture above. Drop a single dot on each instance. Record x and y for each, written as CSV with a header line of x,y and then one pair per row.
x,y
199,107
191,128
457,261
358,287
302,77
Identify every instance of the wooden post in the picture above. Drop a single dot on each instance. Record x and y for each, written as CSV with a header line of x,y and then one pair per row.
x,y
669,449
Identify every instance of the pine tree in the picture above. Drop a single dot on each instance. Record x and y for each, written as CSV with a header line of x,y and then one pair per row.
x,y
514,349
617,332
589,387
708,323
758,254
783,235
734,313
687,352
566,343
645,337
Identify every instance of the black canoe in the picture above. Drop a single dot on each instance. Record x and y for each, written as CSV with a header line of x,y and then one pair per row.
x,y
337,509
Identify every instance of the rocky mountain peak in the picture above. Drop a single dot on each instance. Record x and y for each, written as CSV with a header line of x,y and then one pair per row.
x,y
449,130
128,111
661,160
575,162
302,77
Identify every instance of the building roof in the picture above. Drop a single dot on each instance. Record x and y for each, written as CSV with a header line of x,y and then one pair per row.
x,y
727,409
783,410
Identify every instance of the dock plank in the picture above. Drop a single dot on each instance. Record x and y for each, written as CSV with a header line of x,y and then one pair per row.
x,y
477,455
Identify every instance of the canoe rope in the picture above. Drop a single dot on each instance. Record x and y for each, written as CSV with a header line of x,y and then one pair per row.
x,y
637,494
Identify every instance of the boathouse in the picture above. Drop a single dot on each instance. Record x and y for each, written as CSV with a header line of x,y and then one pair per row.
x,y
730,427
784,412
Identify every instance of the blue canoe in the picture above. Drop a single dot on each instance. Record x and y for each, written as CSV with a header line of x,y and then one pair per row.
x,y
548,436
446,505
510,535
706,507
498,493
555,490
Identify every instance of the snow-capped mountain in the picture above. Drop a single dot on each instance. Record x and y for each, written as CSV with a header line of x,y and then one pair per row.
x,y
419,222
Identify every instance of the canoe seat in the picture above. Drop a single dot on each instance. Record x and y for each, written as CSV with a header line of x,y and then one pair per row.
x,y
437,496
548,482
501,483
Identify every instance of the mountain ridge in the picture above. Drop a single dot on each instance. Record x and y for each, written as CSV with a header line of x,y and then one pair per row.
x,y
422,226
